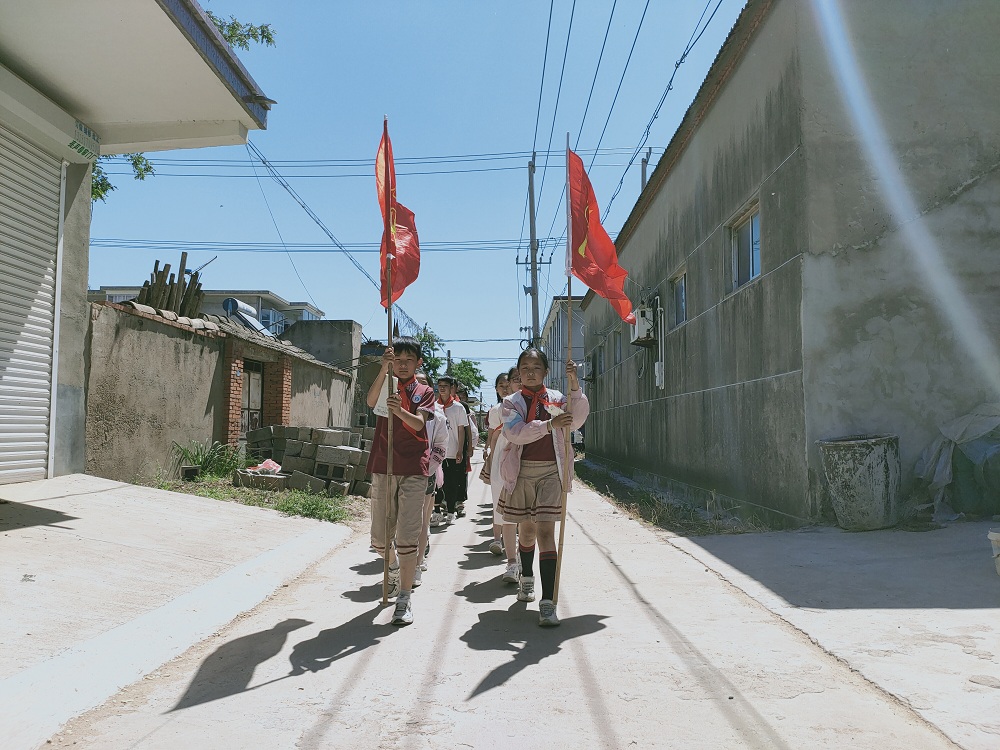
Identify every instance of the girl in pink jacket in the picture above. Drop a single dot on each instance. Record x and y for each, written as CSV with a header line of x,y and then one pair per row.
x,y
536,423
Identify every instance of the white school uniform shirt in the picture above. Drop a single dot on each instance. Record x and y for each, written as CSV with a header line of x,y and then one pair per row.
x,y
437,438
457,417
494,420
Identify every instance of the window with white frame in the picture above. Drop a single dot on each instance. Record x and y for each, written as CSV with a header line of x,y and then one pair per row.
x,y
746,249
678,297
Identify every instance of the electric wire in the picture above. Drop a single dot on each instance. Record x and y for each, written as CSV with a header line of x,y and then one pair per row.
x,y
282,239
622,79
586,109
555,111
541,86
276,176
692,41
461,246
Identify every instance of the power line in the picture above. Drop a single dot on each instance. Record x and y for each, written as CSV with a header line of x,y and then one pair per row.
x,y
692,41
354,163
541,86
276,176
275,222
621,80
555,111
332,176
586,109
450,246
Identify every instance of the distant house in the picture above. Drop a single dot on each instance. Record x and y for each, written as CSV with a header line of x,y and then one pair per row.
x,y
554,339
274,313
802,282
76,82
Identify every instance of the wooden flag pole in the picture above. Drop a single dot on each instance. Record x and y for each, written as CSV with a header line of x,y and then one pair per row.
x,y
568,462
389,200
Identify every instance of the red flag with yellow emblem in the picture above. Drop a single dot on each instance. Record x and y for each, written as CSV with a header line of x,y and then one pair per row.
x,y
400,244
593,257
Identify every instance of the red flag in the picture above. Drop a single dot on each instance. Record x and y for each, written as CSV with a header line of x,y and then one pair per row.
x,y
400,245
593,258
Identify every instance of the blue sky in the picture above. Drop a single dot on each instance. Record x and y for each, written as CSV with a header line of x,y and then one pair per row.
x,y
456,79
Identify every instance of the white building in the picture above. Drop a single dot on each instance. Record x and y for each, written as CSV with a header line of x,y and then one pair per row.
x,y
79,80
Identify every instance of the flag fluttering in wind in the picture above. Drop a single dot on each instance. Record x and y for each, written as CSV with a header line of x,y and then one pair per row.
x,y
592,255
400,245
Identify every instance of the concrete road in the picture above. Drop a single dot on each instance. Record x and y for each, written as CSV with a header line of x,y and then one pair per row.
x,y
656,649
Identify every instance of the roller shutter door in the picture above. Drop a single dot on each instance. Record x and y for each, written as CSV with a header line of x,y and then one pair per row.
x,y
29,229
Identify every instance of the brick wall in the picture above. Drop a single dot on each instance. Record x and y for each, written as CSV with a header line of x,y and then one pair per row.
x,y
277,392
232,382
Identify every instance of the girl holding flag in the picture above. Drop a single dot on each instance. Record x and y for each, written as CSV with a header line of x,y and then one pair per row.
x,y
536,423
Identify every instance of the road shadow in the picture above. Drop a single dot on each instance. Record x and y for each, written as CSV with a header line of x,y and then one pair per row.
x,y
478,557
827,568
516,630
229,669
370,568
333,644
365,594
22,516
489,591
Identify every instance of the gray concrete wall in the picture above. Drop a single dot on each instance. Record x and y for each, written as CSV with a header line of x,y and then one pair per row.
x,y
321,397
74,313
730,419
881,354
337,342
149,384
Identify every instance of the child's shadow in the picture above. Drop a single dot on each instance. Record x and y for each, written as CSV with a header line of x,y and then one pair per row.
x,y
370,568
333,644
517,630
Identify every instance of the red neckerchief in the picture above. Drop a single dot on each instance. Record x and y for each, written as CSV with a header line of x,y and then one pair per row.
x,y
405,388
446,404
537,397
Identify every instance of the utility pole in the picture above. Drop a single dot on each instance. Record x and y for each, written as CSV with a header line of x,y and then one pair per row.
x,y
534,262
645,163
447,370
534,251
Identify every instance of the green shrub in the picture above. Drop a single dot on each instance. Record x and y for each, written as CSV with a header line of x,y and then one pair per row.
x,y
214,459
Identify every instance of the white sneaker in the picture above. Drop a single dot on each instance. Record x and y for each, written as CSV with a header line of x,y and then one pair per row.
x,y
393,582
437,519
526,589
547,616
403,614
451,519
423,565
496,547
416,577
512,573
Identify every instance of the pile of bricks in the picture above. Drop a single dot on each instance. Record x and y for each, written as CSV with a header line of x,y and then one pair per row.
x,y
316,459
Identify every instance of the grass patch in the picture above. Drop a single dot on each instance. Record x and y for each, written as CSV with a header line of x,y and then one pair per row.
x,y
349,510
646,506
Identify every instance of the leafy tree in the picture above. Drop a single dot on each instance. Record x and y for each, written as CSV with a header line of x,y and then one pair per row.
x,y
238,35
432,345
468,374
241,34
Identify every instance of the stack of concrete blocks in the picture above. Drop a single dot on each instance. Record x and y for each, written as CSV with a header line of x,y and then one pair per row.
x,y
321,459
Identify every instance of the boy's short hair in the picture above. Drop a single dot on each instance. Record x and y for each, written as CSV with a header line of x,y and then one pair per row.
x,y
447,380
408,345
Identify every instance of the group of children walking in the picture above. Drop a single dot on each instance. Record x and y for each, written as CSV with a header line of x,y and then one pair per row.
x,y
525,459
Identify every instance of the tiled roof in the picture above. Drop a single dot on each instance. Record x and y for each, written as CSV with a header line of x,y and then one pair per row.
x,y
226,326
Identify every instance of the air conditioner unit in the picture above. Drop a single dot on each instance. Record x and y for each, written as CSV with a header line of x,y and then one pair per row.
x,y
644,328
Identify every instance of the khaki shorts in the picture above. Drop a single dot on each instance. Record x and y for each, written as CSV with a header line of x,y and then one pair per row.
x,y
537,495
406,509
